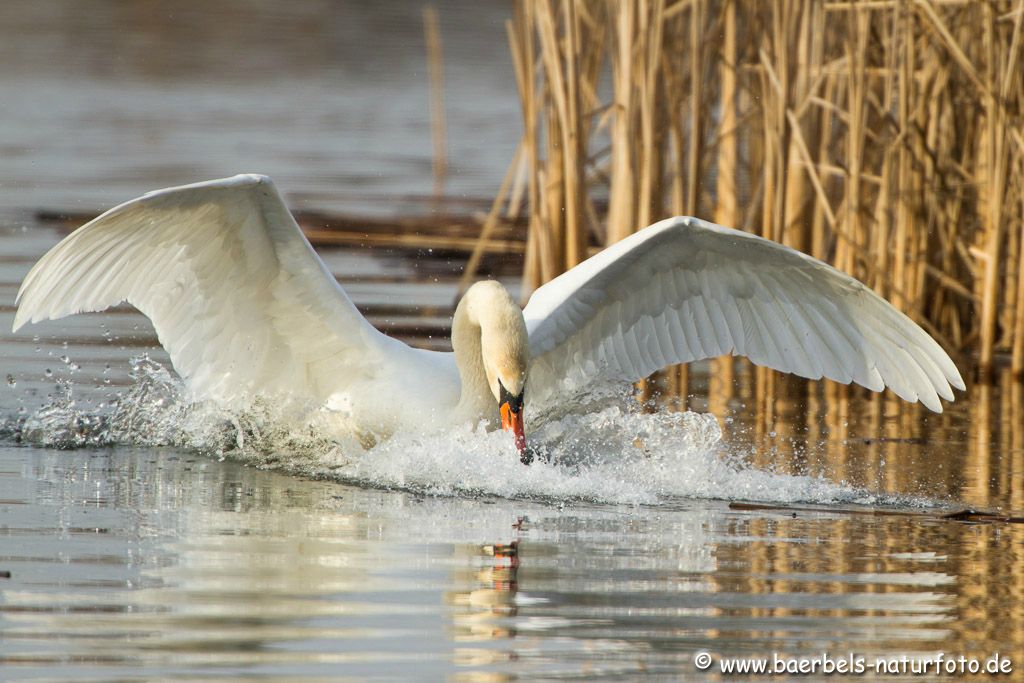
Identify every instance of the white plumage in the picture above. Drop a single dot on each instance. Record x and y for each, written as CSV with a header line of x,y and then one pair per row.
x,y
245,308
685,289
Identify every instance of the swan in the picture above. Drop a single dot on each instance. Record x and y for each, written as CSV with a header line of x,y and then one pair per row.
x,y
247,311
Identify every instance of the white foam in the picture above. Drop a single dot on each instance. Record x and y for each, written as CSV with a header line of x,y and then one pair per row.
x,y
615,453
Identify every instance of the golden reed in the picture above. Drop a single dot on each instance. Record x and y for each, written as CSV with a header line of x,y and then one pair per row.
x,y
883,136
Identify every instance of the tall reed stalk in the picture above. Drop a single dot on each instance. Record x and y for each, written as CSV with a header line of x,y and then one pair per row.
x,y
435,67
885,137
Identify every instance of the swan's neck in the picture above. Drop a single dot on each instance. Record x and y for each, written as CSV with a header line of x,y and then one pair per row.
x,y
466,343
490,343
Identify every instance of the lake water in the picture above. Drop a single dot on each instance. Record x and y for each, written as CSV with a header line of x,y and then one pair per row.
x,y
444,558
138,541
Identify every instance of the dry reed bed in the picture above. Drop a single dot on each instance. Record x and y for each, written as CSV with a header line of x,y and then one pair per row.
x,y
883,136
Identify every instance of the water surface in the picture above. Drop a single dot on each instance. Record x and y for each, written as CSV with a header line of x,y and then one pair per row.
x,y
443,558
162,551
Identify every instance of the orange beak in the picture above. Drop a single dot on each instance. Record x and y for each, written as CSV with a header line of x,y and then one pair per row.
x,y
512,421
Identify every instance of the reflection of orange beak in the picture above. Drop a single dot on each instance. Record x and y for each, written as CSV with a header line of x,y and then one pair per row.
x,y
512,421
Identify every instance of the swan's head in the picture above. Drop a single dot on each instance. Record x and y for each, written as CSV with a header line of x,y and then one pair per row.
x,y
504,350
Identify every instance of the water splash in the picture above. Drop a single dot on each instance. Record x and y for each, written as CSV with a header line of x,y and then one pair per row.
x,y
613,453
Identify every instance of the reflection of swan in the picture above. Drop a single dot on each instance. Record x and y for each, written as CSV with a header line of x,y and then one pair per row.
x,y
245,307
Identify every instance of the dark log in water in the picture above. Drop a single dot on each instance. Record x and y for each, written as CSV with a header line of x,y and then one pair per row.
x,y
964,515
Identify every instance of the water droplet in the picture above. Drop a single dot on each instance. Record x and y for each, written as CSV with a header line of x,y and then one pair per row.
x,y
10,381
48,373
65,360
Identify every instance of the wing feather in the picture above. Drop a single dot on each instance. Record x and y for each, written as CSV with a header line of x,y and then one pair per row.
x,y
684,289
236,294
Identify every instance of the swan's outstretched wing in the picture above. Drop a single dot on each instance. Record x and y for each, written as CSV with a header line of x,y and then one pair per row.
x,y
685,289
237,296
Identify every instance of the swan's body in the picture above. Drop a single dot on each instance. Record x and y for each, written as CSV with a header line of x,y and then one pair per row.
x,y
246,309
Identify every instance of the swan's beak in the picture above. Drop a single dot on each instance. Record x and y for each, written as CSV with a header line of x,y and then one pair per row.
x,y
512,419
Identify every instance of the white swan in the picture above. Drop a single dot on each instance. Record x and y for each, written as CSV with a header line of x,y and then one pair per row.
x,y
246,309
